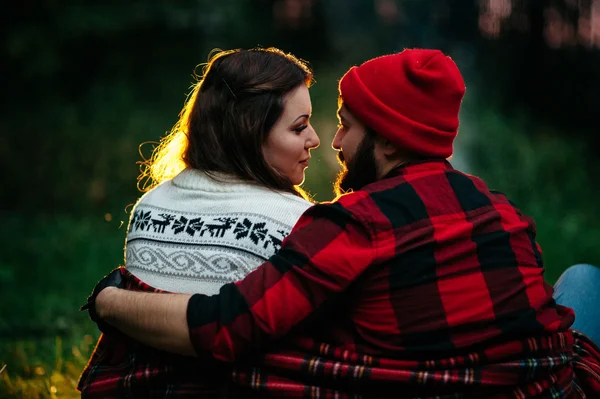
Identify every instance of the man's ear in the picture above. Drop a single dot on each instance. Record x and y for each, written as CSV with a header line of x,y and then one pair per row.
x,y
386,147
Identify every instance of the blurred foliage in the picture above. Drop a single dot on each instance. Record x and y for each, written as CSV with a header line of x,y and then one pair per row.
x,y
86,82
550,177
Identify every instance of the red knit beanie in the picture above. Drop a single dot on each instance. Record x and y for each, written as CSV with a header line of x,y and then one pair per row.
x,y
411,98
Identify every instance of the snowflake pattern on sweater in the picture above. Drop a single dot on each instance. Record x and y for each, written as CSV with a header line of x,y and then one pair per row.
x,y
214,248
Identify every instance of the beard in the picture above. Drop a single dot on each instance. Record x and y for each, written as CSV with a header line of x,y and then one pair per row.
x,y
359,171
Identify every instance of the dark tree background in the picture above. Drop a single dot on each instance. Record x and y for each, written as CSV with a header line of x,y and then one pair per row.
x,y
86,82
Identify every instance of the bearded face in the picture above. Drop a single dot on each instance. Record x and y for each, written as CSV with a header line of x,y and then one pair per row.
x,y
358,171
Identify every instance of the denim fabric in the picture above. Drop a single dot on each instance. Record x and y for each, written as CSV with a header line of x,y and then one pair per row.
x,y
579,289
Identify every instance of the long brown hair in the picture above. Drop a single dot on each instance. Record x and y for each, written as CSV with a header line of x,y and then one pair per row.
x,y
227,118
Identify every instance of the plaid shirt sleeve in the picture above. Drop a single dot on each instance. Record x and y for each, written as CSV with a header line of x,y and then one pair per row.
x,y
326,251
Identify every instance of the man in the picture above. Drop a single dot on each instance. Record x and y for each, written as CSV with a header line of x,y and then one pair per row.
x,y
417,281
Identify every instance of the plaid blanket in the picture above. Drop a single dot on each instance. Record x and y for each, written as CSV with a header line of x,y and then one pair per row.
x,y
559,365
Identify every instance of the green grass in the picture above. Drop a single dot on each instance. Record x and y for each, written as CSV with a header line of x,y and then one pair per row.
x,y
44,367
49,266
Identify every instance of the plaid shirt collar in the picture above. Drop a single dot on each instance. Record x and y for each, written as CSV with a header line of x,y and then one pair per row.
x,y
425,165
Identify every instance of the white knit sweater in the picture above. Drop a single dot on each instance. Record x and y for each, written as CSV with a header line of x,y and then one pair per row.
x,y
193,234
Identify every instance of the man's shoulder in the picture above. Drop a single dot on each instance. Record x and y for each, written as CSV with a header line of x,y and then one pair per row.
x,y
432,193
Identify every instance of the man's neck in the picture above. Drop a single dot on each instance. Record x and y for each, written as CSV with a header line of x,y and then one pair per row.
x,y
391,167
394,166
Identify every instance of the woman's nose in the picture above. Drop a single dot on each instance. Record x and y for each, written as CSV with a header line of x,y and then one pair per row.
x,y
313,141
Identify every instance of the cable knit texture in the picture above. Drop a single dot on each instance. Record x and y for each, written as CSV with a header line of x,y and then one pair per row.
x,y
192,234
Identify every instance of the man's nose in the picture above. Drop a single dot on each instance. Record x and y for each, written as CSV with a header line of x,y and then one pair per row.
x,y
336,144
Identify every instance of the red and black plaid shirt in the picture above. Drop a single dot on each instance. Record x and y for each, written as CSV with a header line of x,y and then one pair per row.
x,y
424,284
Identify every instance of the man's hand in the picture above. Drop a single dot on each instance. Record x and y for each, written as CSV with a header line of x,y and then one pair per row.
x,y
113,279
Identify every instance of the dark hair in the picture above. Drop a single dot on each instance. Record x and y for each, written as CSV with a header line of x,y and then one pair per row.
x,y
228,116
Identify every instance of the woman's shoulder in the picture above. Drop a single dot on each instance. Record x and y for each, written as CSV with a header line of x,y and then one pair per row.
x,y
193,190
282,206
156,191
289,199
226,186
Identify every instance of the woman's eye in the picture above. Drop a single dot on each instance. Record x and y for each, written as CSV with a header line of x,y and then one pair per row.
x,y
300,128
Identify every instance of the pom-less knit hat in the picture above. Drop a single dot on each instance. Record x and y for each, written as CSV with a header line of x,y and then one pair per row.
x,y
411,98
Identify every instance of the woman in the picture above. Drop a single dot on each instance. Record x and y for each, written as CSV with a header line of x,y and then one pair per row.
x,y
224,192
